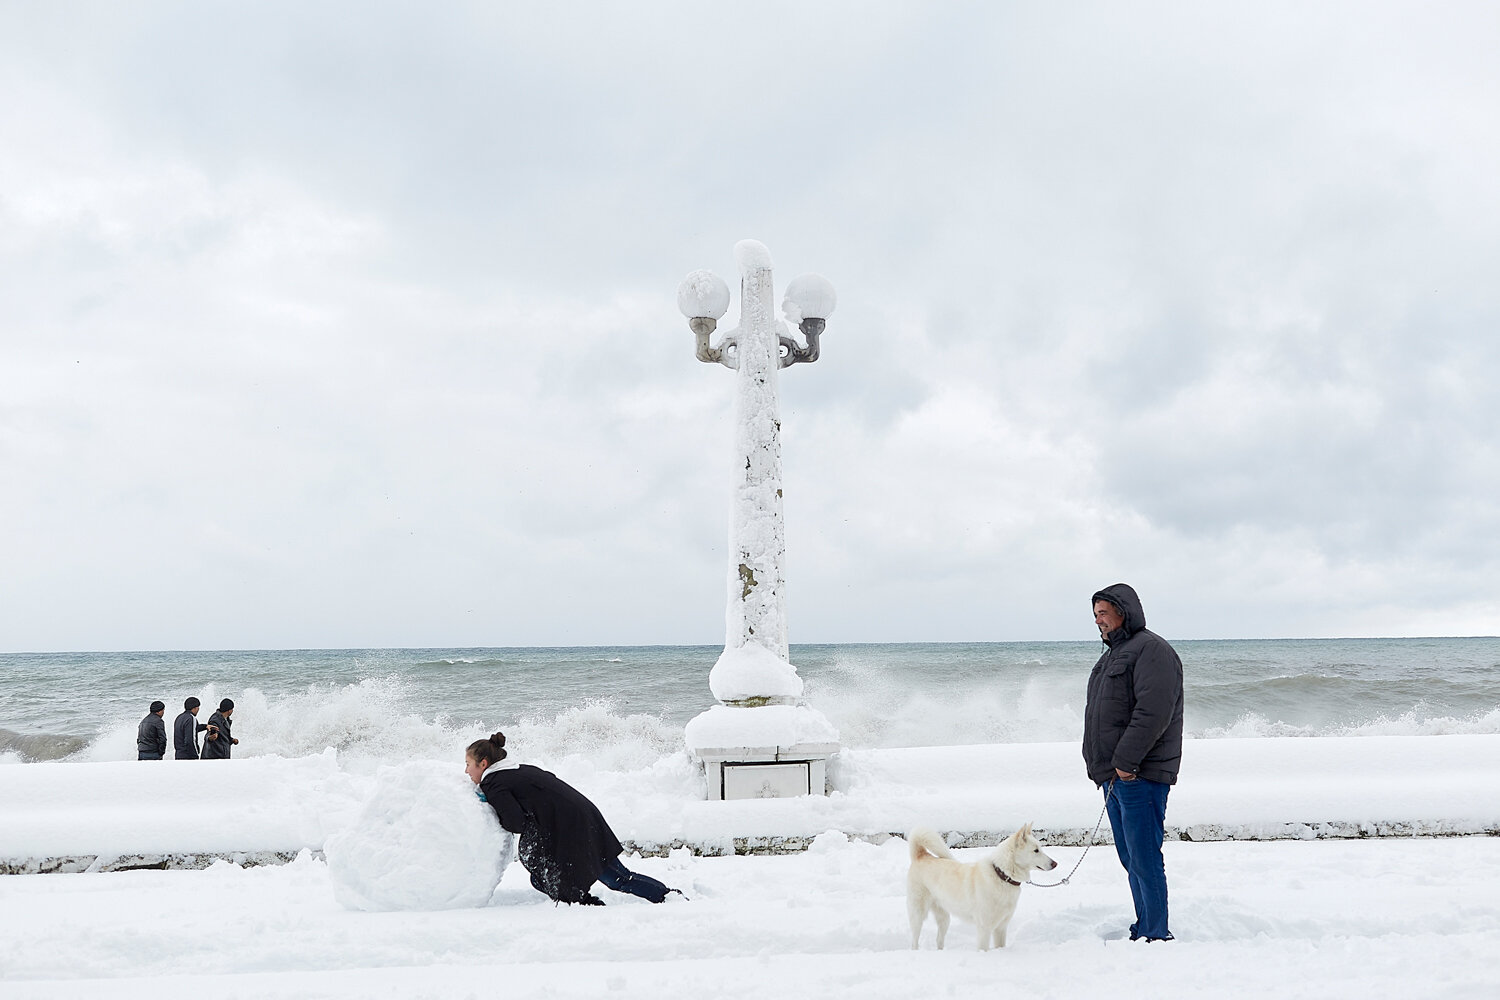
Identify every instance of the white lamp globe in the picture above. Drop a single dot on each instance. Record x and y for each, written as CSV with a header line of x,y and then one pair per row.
x,y
703,294
808,296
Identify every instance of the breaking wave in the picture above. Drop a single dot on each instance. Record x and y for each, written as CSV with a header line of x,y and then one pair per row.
x,y
1414,723
372,721
17,748
384,706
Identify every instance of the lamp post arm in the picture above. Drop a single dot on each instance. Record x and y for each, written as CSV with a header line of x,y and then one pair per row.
x,y
812,329
723,354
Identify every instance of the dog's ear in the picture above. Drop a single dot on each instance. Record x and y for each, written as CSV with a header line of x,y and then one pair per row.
x,y
1026,830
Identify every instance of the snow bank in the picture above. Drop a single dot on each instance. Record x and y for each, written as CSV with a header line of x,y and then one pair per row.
x,y
768,727
423,841
1243,789
175,807
1228,788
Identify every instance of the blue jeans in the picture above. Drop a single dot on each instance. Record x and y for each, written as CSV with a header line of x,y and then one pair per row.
x,y
621,879
1137,817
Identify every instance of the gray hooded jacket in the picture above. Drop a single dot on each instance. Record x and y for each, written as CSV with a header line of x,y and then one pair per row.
x,y
1133,718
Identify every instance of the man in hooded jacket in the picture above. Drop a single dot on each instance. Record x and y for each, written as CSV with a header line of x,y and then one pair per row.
x,y
1132,746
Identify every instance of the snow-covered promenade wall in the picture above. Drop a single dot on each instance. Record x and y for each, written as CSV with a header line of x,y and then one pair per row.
x,y
68,817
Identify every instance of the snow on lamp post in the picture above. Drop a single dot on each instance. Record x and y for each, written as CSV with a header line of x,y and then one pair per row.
x,y
760,740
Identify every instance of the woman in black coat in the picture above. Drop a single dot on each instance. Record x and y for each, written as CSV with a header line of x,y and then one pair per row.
x,y
564,841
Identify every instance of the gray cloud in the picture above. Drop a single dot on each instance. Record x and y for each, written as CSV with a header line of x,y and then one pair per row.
x,y
342,325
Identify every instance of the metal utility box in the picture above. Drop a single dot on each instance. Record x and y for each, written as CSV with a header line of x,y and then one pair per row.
x,y
770,772
767,781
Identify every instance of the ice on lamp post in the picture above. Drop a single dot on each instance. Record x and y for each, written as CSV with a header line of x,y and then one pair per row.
x,y
760,740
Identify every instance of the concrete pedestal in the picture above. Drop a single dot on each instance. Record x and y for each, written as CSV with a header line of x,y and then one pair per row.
x,y
772,752
766,772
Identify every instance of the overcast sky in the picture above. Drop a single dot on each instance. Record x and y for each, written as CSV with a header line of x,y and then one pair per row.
x,y
355,324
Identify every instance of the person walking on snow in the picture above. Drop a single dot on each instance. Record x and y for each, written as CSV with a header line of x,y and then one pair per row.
x,y
1132,746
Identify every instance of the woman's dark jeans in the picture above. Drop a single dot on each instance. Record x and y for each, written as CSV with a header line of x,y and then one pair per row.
x,y
621,879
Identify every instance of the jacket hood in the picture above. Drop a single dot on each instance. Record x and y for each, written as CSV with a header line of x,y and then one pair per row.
x,y
1123,596
508,764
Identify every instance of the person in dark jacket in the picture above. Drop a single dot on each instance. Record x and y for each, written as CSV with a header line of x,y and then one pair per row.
x,y
185,730
217,740
1132,746
151,734
563,839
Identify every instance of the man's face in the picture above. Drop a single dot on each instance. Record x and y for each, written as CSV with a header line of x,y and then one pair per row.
x,y
194,709
1107,617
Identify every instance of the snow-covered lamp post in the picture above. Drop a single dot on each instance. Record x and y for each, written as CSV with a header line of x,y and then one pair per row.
x,y
760,740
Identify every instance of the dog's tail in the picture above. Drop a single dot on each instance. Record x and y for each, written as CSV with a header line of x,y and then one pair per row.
x,y
924,840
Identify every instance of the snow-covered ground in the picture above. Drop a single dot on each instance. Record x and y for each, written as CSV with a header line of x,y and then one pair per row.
x,y
1416,917
1364,918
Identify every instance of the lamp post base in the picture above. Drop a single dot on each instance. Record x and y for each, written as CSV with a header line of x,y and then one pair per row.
x,y
788,772
774,752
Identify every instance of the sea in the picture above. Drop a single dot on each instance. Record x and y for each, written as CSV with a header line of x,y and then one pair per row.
x,y
625,707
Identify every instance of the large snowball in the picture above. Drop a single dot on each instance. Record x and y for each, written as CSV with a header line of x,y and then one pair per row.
x,y
423,841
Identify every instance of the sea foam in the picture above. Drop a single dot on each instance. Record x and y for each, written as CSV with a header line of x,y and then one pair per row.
x,y
625,708
370,723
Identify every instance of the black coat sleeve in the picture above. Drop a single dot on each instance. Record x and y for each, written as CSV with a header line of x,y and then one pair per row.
x,y
501,799
512,818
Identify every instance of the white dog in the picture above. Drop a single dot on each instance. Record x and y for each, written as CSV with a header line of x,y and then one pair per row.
x,y
984,893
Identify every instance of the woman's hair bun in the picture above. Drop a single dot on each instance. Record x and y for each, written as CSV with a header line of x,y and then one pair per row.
x,y
492,749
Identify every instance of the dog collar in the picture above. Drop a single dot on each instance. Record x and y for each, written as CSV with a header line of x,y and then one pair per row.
x,y
1004,876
